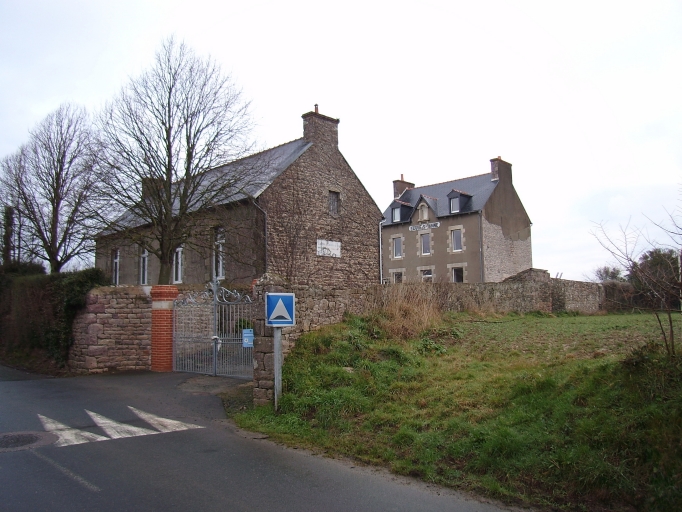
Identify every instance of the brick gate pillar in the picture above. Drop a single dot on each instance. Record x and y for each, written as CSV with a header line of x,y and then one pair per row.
x,y
162,327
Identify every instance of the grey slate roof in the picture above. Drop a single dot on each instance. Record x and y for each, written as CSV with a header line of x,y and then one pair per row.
x,y
478,187
254,174
267,164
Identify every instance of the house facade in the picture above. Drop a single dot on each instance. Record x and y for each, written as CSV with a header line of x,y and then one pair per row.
x,y
469,230
305,217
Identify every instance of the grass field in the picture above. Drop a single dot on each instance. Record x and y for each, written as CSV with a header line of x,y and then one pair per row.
x,y
561,412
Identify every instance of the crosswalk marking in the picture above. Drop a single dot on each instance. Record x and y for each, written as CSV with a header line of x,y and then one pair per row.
x,y
114,429
163,424
67,435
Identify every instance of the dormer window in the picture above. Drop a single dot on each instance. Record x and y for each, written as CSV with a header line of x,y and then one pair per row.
x,y
454,204
423,212
396,214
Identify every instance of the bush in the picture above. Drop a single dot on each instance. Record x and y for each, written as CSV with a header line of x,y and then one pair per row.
x,y
37,311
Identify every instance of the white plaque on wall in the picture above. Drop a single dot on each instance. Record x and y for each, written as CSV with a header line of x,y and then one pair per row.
x,y
329,248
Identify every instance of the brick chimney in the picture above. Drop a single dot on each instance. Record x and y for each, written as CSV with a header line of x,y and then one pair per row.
x,y
399,186
320,129
500,170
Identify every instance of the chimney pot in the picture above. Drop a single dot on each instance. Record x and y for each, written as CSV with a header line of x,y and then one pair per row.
x,y
316,109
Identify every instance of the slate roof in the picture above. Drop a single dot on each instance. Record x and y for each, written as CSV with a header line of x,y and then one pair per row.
x,y
436,196
254,174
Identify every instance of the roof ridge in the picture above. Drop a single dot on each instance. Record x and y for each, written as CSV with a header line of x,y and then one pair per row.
x,y
449,181
255,154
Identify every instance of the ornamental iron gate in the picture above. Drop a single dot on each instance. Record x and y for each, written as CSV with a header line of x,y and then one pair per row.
x,y
213,333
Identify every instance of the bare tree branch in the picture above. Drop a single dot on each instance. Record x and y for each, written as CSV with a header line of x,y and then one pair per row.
x,y
51,182
159,139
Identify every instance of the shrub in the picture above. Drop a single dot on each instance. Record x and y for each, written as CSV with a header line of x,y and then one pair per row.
x,y
37,311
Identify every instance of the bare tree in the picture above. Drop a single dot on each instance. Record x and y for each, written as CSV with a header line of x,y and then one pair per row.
x,y
654,273
50,180
160,137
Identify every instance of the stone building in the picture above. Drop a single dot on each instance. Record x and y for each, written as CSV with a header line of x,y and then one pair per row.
x,y
305,217
469,230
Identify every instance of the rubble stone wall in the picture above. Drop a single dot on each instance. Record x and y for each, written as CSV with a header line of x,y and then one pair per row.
x,y
113,331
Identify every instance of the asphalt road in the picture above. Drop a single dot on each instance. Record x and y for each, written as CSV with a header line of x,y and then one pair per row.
x,y
149,441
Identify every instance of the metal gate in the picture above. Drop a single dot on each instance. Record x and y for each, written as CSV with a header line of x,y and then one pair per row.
x,y
213,333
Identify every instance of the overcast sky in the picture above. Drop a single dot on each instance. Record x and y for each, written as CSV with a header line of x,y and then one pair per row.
x,y
584,98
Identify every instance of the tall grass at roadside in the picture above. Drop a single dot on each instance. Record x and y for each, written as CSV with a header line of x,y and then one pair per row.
x,y
542,410
409,308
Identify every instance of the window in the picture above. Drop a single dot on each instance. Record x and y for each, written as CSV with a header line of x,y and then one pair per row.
x,y
457,275
144,260
456,239
334,200
115,266
177,266
425,243
397,277
398,247
396,214
219,253
454,204
427,276
423,212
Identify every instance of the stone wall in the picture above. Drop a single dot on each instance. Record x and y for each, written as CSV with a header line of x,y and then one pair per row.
x,y
301,212
576,296
113,331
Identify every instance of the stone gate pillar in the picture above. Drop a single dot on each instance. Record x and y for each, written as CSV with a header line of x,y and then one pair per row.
x,y
162,327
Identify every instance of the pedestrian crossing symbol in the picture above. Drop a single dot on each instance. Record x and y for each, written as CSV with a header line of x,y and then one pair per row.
x,y
279,309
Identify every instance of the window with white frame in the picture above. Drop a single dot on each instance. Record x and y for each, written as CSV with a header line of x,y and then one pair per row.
x,y
423,212
177,266
219,253
427,275
454,204
398,247
144,265
456,239
425,243
396,214
457,275
115,266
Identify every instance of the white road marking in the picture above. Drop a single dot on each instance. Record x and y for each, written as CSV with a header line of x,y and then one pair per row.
x,y
67,435
163,424
67,472
117,430
114,429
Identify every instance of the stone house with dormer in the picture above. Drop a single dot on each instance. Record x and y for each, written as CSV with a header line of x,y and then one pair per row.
x,y
470,230
307,218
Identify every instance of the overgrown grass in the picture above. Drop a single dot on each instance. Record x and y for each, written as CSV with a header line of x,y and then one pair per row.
x,y
556,411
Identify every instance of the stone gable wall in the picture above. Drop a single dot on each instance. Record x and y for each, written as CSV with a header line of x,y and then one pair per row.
x,y
113,331
298,215
504,256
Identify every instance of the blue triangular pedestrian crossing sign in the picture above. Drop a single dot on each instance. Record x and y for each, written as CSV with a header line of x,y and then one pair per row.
x,y
280,309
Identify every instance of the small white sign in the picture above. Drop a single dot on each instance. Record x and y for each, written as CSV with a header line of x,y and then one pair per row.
x,y
329,248
421,227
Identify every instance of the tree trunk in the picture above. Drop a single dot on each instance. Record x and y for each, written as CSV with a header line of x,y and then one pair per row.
x,y
165,272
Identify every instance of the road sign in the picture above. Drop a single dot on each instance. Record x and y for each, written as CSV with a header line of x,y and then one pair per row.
x,y
279,310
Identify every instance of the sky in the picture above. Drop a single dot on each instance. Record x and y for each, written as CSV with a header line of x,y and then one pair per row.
x,y
583,98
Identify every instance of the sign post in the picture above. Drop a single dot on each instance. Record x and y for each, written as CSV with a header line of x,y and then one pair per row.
x,y
280,311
